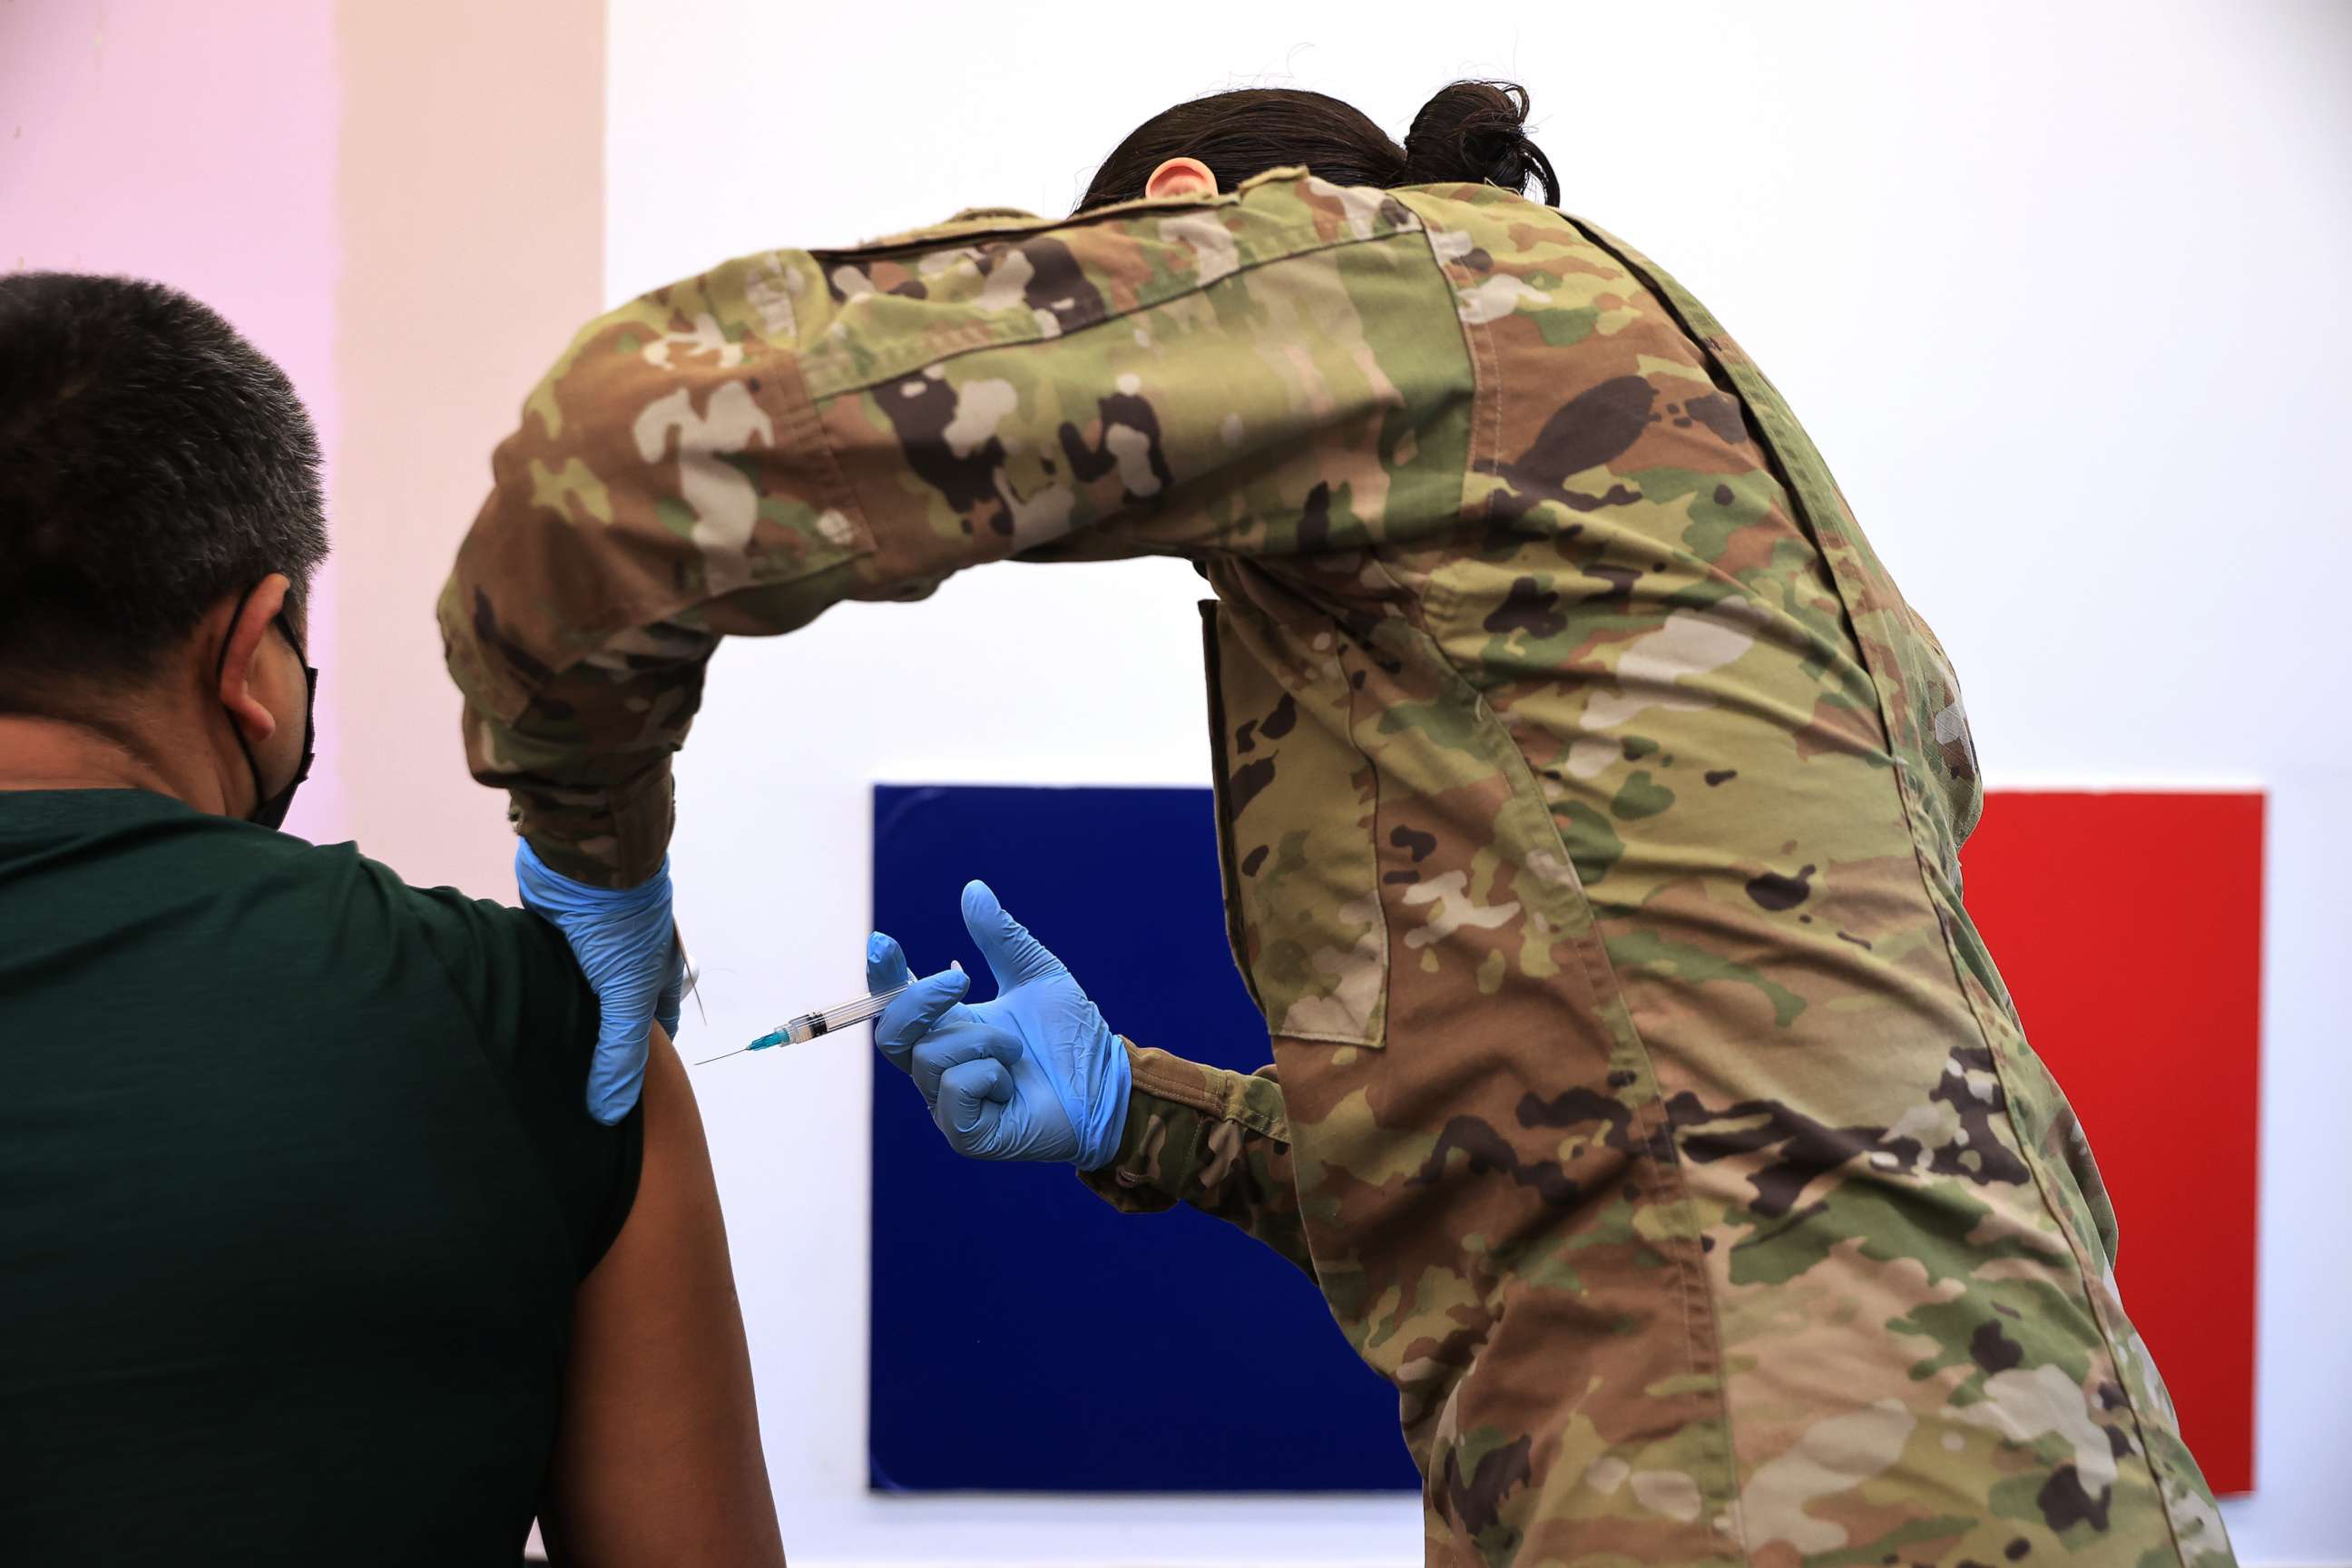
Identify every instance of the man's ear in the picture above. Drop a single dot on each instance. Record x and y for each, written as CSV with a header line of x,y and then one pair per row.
x,y
1181,177
240,648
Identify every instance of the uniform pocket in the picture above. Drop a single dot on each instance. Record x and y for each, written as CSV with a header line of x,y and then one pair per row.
x,y
1295,803
1949,748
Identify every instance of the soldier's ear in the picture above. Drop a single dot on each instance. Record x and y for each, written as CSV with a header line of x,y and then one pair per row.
x,y
1181,177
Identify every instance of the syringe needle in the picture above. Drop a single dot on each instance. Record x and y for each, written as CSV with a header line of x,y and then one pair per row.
x,y
723,1055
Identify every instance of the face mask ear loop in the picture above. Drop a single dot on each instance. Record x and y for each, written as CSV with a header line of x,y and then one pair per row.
x,y
271,813
269,810
220,665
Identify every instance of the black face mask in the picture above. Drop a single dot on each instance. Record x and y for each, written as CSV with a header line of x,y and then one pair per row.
x,y
270,810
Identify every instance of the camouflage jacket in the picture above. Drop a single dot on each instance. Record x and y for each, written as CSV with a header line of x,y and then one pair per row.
x,y
1644,1103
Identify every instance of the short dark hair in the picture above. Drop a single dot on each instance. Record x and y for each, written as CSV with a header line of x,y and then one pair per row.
x,y
151,461
1471,132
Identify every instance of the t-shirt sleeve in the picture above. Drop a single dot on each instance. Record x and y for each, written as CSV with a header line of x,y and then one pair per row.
x,y
535,1022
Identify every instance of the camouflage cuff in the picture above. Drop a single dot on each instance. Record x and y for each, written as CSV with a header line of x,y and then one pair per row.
x,y
1171,1109
1131,1183
605,838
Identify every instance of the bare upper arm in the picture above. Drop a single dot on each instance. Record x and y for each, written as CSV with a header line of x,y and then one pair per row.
x,y
657,1457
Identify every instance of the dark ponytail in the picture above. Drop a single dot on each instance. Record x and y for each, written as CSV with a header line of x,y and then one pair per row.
x,y
1472,131
1477,131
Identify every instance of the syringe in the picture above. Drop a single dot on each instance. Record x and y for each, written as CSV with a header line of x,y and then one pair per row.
x,y
807,1027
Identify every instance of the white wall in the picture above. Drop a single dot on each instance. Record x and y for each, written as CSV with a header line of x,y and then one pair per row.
x,y
2060,289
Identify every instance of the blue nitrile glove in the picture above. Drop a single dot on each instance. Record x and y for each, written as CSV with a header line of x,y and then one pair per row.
x,y
628,951
1034,1074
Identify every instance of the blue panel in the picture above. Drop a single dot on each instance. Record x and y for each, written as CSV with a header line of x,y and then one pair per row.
x,y
1027,1337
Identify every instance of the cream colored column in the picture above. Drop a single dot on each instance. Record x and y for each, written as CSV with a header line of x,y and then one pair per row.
x,y
470,194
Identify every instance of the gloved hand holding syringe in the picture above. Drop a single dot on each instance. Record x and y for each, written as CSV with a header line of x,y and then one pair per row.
x,y
1031,1074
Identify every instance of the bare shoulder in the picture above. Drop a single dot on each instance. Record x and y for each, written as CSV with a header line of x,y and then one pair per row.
x,y
659,1458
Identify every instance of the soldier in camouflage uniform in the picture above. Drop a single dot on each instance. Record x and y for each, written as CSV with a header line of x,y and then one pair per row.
x,y
1643,1100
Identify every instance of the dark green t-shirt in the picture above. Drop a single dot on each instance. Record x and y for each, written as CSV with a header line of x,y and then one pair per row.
x,y
296,1184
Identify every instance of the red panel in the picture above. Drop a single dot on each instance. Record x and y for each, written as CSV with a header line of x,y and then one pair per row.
x,y
2129,930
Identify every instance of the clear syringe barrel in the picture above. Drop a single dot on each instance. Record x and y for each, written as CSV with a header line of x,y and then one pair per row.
x,y
800,1030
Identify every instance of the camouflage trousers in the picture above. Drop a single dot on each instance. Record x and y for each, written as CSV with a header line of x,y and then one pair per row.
x,y
1658,1304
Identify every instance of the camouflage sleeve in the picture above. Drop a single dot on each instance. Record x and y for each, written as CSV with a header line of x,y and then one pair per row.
x,y
1216,1139
1275,370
